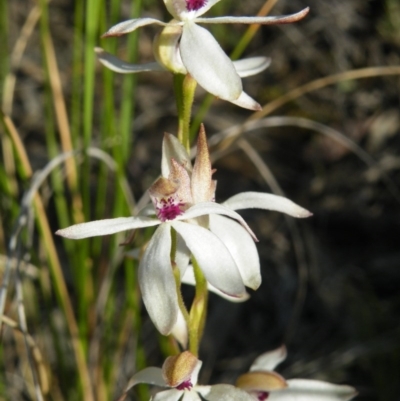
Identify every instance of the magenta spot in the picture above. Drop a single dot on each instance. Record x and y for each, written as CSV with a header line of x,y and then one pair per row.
x,y
187,385
194,5
169,209
262,395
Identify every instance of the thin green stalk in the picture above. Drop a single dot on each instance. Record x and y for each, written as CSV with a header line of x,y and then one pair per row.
x,y
77,74
198,311
185,87
91,37
178,85
128,89
200,115
4,51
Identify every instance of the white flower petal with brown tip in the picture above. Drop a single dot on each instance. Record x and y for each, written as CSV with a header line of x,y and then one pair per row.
x,y
312,390
272,20
131,25
117,65
259,200
106,227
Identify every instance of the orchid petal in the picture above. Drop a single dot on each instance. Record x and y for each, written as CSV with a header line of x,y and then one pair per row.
x,y
105,227
224,392
173,149
189,278
251,66
206,208
151,375
258,200
245,101
191,396
168,395
117,65
147,210
241,246
129,26
201,183
203,390
269,360
274,20
182,255
312,390
179,8
157,281
180,330
208,64
217,263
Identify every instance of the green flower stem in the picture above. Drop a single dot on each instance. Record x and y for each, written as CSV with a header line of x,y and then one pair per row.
x,y
185,87
198,312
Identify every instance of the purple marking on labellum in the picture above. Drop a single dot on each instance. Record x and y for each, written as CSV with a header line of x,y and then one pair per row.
x,y
168,208
262,395
194,5
187,385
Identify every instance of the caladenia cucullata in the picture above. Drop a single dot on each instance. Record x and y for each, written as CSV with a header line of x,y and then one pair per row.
x,y
196,239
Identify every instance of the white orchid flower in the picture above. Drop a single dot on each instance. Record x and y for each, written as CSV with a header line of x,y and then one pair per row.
x,y
263,383
184,47
179,374
217,237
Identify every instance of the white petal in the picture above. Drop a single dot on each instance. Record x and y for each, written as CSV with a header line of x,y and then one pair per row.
x,y
129,26
157,282
208,64
178,8
269,360
180,330
247,67
191,396
168,395
203,390
312,390
241,246
273,20
115,64
151,375
173,149
245,101
213,258
226,392
188,278
205,208
182,255
260,200
106,227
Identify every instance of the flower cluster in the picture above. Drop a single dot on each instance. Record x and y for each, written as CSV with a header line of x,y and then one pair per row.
x,y
197,240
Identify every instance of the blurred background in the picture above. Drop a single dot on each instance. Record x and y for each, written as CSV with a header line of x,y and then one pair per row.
x,y
331,283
